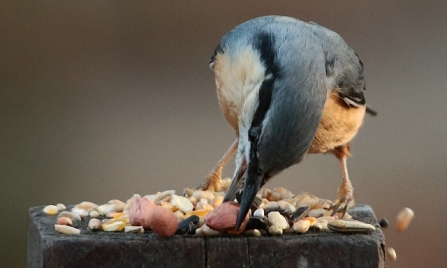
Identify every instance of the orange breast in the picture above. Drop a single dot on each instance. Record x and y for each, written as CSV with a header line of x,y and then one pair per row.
x,y
339,124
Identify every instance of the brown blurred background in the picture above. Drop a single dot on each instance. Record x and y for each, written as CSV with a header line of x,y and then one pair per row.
x,y
101,100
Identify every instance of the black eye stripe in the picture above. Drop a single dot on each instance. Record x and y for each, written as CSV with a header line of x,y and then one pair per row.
x,y
264,43
219,50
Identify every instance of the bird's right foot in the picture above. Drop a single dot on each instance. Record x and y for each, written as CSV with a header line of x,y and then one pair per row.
x,y
345,199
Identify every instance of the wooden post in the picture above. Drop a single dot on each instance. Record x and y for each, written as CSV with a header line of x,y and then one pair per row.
x,y
47,248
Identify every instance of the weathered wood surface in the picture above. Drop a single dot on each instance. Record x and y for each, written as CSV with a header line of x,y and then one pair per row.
x,y
47,248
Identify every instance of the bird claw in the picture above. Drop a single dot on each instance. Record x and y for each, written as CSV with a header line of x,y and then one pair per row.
x,y
213,181
345,199
339,206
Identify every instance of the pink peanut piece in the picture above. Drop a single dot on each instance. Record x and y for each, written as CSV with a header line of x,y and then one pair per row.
x,y
223,218
163,221
139,211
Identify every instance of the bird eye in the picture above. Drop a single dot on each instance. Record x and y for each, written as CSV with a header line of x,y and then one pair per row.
x,y
253,134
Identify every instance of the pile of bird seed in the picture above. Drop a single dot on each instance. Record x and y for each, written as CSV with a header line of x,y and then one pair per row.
x,y
275,212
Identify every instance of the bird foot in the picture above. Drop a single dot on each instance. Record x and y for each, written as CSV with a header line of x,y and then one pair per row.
x,y
344,201
213,181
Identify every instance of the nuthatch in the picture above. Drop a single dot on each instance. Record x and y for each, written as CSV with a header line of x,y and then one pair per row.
x,y
288,88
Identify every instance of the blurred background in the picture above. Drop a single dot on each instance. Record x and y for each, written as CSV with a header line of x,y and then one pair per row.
x,y
100,100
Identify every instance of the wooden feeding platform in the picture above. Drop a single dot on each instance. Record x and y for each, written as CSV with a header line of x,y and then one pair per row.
x,y
48,248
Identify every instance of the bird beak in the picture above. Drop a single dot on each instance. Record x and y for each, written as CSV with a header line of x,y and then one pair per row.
x,y
251,188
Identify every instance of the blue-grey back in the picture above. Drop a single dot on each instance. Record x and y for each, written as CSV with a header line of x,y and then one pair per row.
x,y
304,62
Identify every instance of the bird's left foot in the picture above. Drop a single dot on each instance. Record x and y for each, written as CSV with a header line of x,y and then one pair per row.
x,y
213,181
345,199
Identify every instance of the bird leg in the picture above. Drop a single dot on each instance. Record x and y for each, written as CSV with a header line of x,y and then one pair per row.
x,y
214,178
345,198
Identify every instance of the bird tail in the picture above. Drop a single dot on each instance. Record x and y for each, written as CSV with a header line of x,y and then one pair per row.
x,y
370,110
